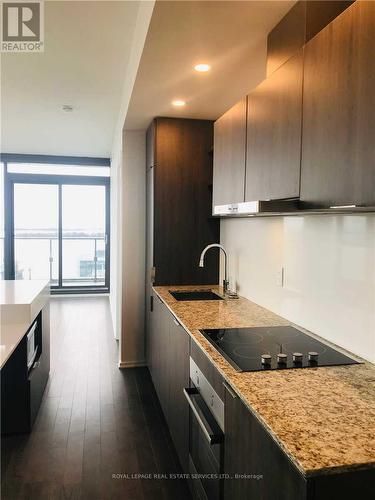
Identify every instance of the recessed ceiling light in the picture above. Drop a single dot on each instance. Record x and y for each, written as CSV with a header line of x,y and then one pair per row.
x,y
202,68
67,107
178,103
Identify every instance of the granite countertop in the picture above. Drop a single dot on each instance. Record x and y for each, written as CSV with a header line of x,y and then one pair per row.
x,y
323,418
20,303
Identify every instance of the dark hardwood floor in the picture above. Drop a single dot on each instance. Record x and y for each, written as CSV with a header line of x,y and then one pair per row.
x,y
96,421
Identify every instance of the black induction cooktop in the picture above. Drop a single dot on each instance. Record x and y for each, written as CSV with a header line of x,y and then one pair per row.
x,y
259,348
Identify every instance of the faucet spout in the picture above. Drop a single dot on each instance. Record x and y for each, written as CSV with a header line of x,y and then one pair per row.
x,y
220,247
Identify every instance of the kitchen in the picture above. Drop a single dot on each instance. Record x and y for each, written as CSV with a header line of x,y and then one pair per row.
x,y
242,274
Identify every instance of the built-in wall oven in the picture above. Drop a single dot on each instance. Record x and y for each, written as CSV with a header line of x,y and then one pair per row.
x,y
206,436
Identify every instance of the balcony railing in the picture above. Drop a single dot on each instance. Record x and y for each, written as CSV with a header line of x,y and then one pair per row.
x,y
80,266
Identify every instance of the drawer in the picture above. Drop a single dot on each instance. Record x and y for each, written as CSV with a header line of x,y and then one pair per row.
x,y
36,387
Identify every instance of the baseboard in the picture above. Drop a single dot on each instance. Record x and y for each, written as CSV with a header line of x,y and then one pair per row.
x,y
132,364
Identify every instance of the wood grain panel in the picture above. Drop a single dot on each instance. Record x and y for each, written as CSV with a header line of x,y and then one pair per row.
x,y
230,155
274,134
338,155
249,449
304,20
178,375
183,202
319,13
287,37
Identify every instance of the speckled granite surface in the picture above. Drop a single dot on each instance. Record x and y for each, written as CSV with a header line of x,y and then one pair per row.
x,y
323,418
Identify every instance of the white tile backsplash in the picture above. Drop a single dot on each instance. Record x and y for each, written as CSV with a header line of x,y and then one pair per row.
x,y
329,272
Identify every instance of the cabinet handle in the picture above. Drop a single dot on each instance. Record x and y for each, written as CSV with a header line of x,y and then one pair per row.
x,y
230,390
34,367
176,322
211,430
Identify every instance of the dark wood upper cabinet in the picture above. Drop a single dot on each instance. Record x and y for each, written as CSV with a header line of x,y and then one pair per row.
x,y
180,202
338,153
319,13
304,20
230,155
287,37
274,134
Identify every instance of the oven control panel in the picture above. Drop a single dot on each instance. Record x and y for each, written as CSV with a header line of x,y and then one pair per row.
x,y
208,393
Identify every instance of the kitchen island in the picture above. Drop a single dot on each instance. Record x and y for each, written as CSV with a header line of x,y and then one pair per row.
x,y
24,351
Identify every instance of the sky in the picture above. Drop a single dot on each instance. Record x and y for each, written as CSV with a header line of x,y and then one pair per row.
x,y
36,207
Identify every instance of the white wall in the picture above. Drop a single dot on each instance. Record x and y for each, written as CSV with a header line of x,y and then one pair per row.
x,y
133,248
115,295
329,272
117,185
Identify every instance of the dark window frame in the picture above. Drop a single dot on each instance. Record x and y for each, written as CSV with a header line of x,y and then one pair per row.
x,y
20,178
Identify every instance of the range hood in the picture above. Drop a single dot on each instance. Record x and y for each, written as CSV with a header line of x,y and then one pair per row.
x,y
284,207
256,207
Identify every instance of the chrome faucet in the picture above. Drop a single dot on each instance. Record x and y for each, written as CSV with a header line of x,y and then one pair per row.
x,y
201,263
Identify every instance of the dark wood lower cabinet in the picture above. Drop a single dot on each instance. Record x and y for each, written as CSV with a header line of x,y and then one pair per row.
x,y
168,360
258,468
255,466
178,372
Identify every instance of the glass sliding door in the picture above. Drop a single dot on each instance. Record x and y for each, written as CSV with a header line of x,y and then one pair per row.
x,y
83,235
36,221
60,231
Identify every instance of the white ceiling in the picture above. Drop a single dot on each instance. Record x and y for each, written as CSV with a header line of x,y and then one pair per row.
x,y
229,35
92,50
87,48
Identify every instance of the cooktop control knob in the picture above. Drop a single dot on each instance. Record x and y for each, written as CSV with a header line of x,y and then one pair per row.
x,y
266,359
282,358
313,356
297,357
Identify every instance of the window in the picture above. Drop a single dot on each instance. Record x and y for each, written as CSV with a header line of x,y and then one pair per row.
x,y
58,223
57,169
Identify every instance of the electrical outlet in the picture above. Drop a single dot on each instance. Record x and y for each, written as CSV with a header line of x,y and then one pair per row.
x,y
280,277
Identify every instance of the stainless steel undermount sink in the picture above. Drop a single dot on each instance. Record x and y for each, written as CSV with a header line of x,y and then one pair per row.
x,y
195,295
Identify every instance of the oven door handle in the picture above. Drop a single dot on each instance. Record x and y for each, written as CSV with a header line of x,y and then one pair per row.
x,y
211,430
31,362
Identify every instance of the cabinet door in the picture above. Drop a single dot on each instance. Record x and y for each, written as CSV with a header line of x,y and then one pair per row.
x,y
150,143
230,156
45,358
338,156
250,450
178,379
164,349
153,350
274,134
183,202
